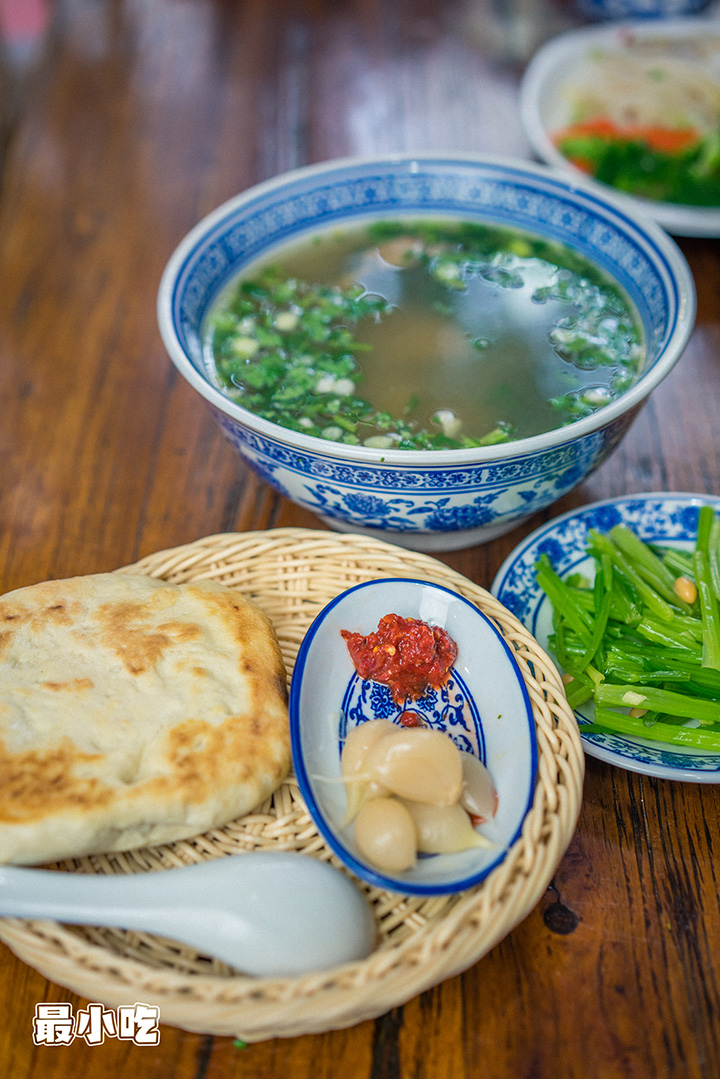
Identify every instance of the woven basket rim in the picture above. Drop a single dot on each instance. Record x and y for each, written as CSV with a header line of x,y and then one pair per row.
x,y
293,573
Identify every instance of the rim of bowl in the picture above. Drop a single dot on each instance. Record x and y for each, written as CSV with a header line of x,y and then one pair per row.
x,y
671,257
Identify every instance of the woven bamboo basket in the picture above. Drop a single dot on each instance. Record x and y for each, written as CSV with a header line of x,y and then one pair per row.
x,y
293,573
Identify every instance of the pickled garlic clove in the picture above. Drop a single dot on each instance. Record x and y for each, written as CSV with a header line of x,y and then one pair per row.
x,y
358,743
443,829
385,835
479,796
360,740
358,792
420,764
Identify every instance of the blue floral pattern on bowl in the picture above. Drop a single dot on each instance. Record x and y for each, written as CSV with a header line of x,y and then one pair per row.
x,y
432,500
401,500
656,518
450,708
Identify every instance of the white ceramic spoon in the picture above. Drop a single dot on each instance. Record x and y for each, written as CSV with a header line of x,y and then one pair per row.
x,y
266,913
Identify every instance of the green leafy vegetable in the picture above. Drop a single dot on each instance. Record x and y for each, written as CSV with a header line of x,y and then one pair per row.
x,y
642,640
669,165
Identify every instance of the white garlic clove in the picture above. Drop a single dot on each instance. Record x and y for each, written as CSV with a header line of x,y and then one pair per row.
x,y
444,829
418,763
385,835
360,740
358,743
358,792
479,796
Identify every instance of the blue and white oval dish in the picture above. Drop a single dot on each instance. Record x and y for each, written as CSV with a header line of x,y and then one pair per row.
x,y
426,499
664,518
484,707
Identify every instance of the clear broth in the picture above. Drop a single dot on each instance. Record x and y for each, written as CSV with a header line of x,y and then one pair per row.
x,y
482,337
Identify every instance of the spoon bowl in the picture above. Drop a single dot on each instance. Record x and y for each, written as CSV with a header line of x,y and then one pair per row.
x,y
265,913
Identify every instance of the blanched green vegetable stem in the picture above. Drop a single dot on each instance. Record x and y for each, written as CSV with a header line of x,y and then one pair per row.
x,y
642,640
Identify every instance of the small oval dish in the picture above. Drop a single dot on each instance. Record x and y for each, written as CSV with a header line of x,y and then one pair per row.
x,y
484,706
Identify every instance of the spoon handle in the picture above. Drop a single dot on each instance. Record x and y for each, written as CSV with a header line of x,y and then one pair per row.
x,y
80,898
270,913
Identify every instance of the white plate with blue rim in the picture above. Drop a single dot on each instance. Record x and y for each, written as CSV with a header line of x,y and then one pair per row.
x,y
484,706
663,518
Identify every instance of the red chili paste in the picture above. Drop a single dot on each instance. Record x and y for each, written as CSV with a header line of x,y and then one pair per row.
x,y
408,718
405,654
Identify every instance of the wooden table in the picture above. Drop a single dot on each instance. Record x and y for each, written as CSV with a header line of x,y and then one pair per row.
x,y
138,118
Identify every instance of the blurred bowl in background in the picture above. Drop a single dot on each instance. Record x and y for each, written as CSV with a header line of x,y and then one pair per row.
x,y
426,499
639,9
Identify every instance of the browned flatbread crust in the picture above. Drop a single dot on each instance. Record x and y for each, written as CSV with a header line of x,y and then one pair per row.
x,y
133,712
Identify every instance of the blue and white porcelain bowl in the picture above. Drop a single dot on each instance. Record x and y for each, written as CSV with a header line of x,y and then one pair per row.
x,y
640,9
439,499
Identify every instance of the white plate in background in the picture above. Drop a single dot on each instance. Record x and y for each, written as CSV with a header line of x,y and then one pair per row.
x,y
545,106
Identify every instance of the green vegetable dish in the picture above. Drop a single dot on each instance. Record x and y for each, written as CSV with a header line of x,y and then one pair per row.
x,y
642,640
430,335
644,117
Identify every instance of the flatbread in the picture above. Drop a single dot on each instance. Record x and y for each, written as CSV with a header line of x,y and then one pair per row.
x,y
133,712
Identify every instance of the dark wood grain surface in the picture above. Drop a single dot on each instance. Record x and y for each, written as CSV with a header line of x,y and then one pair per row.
x,y
137,118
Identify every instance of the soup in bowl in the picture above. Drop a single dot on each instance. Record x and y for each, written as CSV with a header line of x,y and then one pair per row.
x,y
426,349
